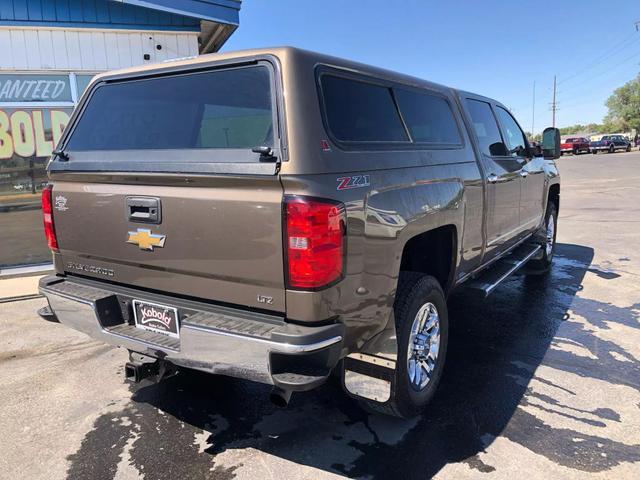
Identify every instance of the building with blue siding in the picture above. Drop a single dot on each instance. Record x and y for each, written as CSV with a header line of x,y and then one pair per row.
x,y
90,14
49,50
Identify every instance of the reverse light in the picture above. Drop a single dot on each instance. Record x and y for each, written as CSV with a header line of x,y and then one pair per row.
x,y
315,242
47,213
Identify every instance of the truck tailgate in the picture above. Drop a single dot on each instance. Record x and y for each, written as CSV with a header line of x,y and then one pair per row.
x,y
220,240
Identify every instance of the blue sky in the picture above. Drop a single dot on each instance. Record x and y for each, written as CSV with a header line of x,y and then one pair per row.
x,y
495,48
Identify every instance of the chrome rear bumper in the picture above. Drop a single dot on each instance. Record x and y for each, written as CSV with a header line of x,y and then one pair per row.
x,y
213,339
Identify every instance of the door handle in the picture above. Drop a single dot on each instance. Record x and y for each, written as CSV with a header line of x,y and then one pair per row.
x,y
524,173
143,209
493,178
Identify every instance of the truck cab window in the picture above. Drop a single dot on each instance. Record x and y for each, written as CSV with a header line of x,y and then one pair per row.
x,y
428,117
486,128
513,136
361,112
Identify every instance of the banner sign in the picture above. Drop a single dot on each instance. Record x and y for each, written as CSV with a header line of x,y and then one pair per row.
x,y
35,88
29,133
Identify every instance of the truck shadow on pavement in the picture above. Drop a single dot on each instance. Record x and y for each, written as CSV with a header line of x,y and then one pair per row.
x,y
198,426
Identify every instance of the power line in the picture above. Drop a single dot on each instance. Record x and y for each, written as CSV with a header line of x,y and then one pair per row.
x,y
614,67
579,99
601,60
606,66
615,49
580,92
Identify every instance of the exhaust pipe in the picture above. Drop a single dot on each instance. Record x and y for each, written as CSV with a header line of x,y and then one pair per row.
x,y
280,397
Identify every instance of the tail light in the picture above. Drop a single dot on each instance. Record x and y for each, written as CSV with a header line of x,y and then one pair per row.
x,y
47,212
315,236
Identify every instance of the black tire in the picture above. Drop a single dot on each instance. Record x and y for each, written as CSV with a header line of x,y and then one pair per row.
x,y
414,291
628,148
594,151
543,264
575,151
612,149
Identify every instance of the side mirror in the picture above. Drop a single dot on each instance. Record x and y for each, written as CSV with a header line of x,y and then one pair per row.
x,y
551,143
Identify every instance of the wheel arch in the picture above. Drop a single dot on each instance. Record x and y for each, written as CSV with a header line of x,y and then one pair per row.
x,y
433,252
553,195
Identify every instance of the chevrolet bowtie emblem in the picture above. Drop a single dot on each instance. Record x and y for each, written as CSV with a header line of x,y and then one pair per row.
x,y
145,239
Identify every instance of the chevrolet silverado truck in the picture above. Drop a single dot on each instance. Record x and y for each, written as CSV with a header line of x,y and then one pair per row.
x,y
610,143
575,145
277,215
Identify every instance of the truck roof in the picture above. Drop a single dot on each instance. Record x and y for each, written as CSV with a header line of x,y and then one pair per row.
x,y
287,56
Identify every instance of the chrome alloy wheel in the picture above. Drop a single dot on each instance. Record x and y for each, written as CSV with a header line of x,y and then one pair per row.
x,y
424,345
551,230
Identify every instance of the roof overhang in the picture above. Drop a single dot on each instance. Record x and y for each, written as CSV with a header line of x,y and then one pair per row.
x,y
218,18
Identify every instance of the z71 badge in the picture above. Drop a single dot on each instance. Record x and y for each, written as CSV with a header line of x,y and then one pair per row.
x,y
354,181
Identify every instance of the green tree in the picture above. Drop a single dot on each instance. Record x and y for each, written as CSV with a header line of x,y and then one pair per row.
x,y
572,129
624,107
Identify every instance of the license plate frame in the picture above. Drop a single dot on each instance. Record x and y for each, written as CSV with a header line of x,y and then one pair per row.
x,y
156,318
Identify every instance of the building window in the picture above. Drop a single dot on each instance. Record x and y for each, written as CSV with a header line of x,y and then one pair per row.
x,y
34,111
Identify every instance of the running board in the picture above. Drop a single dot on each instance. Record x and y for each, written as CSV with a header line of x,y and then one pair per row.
x,y
502,269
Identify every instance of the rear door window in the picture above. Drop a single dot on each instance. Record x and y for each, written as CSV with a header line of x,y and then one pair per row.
x,y
486,128
357,111
222,109
428,117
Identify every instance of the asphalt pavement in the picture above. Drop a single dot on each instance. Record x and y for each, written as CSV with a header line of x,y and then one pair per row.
x,y
542,380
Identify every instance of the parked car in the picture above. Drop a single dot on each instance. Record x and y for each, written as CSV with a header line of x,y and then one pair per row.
x,y
277,241
575,145
23,186
610,143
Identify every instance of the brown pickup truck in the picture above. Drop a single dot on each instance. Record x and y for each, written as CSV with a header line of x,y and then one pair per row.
x,y
277,214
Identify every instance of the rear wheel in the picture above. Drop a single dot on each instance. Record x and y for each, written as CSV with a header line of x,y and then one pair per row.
x,y
612,149
422,328
576,151
594,151
629,148
547,236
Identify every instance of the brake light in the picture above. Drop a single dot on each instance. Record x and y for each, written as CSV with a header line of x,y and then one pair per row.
x,y
47,212
315,236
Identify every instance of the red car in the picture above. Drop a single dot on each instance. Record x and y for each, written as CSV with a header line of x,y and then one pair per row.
x,y
575,145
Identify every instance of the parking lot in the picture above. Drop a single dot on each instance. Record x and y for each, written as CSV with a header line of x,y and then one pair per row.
x,y
542,379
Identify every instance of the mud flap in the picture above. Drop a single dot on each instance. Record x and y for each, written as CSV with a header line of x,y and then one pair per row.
x,y
369,376
370,373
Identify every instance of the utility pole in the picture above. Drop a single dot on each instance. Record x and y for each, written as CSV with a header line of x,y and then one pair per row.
x,y
533,110
554,105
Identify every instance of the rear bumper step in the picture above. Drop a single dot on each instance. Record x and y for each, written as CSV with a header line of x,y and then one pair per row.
x,y
221,341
